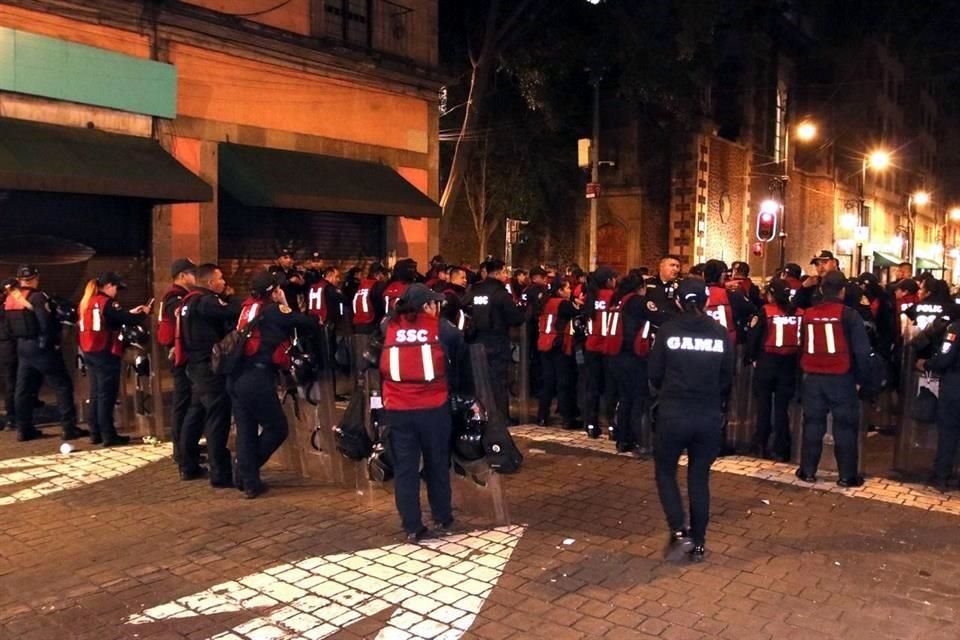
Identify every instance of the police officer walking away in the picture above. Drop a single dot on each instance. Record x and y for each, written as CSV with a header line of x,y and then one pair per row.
x,y
833,358
413,369
204,320
691,368
31,321
184,274
261,424
493,312
101,319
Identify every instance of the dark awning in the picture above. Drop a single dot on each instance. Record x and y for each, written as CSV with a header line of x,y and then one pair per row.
x,y
260,177
44,157
885,260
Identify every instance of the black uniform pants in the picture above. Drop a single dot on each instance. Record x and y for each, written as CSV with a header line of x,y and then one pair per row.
x,y
774,384
34,366
8,376
629,373
696,430
948,431
253,394
836,395
535,370
599,383
412,434
103,370
208,414
558,379
181,404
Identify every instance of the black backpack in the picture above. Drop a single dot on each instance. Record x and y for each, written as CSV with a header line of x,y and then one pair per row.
x,y
226,355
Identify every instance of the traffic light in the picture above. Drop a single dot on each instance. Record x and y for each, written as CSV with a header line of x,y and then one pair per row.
x,y
767,220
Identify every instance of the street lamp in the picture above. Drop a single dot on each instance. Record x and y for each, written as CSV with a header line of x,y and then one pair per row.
x,y
955,214
806,131
878,160
917,199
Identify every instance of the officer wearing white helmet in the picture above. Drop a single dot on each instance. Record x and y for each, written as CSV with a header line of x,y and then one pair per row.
x,y
691,370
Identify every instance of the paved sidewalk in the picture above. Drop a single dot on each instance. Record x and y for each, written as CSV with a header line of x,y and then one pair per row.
x,y
110,544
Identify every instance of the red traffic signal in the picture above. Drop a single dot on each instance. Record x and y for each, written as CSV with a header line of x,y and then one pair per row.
x,y
767,220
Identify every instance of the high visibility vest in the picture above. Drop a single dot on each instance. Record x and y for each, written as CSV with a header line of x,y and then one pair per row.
x,y
95,336
392,293
597,324
782,332
19,314
316,305
363,311
825,348
250,310
548,325
718,307
412,364
614,343
167,321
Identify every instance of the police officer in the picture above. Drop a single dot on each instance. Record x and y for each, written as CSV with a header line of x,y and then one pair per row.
x,y
8,357
493,312
532,299
809,293
413,367
629,338
691,368
728,306
31,321
772,345
833,358
740,278
205,315
946,363
661,290
455,288
792,276
555,348
261,423
368,309
404,274
183,271
293,283
100,320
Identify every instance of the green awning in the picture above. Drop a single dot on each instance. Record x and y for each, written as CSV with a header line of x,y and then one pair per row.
x,y
261,177
885,260
44,157
923,263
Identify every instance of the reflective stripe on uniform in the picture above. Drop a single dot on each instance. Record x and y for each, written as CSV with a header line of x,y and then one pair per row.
x,y
549,327
603,323
426,354
461,320
614,321
810,348
96,318
722,312
363,301
831,341
779,337
395,364
646,330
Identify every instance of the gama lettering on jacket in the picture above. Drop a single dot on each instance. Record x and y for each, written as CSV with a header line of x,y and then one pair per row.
x,y
686,343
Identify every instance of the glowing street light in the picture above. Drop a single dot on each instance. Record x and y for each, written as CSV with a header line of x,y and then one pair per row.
x,y
806,131
955,214
921,198
878,160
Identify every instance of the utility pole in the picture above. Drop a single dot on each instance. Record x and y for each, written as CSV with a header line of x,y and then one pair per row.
x,y
595,79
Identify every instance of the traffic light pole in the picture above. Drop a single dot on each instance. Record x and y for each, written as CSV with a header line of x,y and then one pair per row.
x,y
782,184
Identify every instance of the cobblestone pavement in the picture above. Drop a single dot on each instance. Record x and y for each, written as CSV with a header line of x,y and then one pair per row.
x,y
110,544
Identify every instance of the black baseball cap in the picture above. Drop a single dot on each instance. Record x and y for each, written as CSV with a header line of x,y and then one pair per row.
x,y
25,271
538,271
111,277
181,265
417,295
793,270
285,251
602,274
692,289
263,283
825,254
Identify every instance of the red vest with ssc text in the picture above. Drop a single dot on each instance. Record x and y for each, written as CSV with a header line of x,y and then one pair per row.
x,y
783,331
614,343
825,348
95,335
412,364
548,331
597,324
718,307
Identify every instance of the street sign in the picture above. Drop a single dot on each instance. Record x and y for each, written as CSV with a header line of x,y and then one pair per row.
x,y
431,590
583,153
757,249
593,190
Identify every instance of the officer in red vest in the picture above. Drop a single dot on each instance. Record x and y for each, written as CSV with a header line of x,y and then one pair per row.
x,y
599,382
793,277
773,345
204,317
834,350
413,367
555,348
183,271
8,357
100,320
404,274
728,306
30,320
691,368
368,304
740,278
629,338
261,424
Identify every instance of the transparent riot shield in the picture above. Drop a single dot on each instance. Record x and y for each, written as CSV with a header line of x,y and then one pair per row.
x,y
741,407
916,442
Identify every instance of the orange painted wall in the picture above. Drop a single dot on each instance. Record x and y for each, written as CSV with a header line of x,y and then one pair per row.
x,y
413,233
218,87
73,31
185,233
293,16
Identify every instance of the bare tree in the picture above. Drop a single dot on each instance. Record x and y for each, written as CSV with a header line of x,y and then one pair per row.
x,y
479,199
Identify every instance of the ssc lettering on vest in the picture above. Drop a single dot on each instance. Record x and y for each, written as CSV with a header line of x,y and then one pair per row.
x,y
785,320
481,300
600,305
411,335
686,343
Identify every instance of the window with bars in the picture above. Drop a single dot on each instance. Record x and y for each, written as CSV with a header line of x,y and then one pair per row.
x,y
347,20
